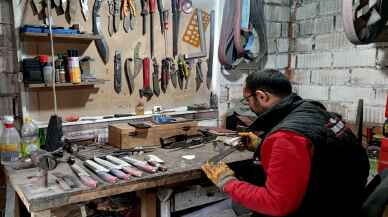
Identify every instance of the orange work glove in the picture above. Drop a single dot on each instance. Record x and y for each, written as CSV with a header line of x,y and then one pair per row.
x,y
218,173
250,141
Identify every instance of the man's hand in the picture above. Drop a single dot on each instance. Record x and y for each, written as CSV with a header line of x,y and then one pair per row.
x,y
218,173
250,141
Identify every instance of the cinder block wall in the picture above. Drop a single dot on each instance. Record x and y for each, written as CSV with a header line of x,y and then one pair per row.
x,y
329,68
230,83
8,78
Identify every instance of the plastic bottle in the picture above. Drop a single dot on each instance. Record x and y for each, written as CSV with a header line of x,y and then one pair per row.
x,y
9,141
1,126
30,137
48,73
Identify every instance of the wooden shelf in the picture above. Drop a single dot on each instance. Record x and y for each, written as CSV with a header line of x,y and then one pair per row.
x,y
63,37
8,95
63,85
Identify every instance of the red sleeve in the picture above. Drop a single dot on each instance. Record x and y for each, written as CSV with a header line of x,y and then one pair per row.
x,y
287,167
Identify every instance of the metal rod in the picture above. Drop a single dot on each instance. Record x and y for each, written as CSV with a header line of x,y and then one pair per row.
x,y
52,55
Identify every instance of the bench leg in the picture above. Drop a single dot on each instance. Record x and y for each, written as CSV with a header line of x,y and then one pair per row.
x,y
147,203
45,213
10,202
164,195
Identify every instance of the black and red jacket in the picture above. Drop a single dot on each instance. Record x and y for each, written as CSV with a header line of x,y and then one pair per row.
x,y
312,163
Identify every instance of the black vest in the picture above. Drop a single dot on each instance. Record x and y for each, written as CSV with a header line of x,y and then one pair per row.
x,y
340,165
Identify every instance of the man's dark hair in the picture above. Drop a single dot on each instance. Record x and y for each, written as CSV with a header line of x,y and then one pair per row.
x,y
269,80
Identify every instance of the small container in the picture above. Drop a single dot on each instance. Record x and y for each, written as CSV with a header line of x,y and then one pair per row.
x,y
73,66
58,67
62,76
74,70
140,108
47,73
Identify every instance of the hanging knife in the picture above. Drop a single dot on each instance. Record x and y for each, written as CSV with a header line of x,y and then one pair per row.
x,y
138,62
71,10
117,74
144,13
199,74
180,72
126,14
173,73
175,25
117,7
165,74
101,44
64,5
209,74
57,3
85,9
129,76
58,7
155,77
111,12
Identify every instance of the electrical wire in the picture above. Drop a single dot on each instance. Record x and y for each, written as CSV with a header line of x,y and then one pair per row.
x,y
50,19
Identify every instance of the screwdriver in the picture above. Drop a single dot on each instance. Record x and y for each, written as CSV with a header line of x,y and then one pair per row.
x,y
166,15
161,15
152,12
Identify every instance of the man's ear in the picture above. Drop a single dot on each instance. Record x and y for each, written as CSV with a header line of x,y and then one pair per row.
x,y
262,96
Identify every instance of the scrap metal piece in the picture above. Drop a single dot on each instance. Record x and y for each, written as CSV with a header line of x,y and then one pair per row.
x,y
101,44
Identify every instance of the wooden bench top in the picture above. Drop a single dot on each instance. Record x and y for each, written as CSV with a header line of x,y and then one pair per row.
x,y
36,198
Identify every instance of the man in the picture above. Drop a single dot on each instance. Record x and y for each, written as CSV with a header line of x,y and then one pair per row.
x,y
312,162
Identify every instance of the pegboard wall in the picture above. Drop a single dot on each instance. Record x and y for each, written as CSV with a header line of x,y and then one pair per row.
x,y
102,99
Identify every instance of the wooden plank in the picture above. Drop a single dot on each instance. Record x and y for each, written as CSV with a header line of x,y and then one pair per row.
x,y
45,213
62,85
147,203
72,37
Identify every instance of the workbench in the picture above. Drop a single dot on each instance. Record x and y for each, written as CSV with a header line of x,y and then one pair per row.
x,y
41,201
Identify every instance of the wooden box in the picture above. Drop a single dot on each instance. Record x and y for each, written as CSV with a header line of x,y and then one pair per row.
x,y
124,136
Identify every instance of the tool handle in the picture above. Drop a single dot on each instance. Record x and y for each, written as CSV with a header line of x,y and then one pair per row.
x,y
174,4
166,15
152,6
144,7
160,6
146,73
161,14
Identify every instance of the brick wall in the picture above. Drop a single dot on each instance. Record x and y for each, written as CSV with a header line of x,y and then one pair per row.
x,y
331,69
8,79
